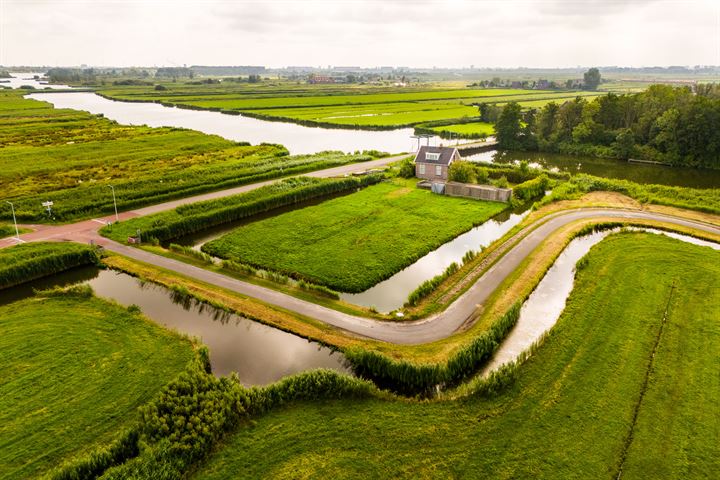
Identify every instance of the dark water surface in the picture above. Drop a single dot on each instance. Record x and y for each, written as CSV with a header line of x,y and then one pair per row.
x,y
258,353
608,168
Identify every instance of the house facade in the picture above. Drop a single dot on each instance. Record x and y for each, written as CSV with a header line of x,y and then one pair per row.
x,y
432,163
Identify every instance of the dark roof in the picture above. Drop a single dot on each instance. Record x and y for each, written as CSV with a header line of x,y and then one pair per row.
x,y
446,155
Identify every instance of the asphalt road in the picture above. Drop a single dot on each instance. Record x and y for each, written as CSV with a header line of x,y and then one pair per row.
x,y
426,330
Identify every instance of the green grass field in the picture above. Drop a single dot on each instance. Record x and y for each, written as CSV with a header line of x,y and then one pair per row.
x,y
70,157
9,230
468,130
353,242
342,106
75,370
570,413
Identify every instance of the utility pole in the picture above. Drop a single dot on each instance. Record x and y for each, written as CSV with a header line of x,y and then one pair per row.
x,y
17,232
117,218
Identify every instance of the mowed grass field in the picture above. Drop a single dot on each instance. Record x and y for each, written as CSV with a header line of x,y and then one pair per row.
x,y
71,157
75,370
352,242
570,414
342,106
473,129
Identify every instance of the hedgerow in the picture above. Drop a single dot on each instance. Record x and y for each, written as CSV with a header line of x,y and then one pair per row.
x,y
30,261
410,378
198,216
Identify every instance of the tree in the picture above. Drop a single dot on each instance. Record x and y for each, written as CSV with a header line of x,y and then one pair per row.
x,y
546,121
489,112
592,79
624,144
462,171
407,168
507,129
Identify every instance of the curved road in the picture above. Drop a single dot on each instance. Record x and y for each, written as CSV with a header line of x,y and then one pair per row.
x,y
426,330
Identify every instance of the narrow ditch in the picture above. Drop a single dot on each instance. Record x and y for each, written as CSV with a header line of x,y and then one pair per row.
x,y
643,390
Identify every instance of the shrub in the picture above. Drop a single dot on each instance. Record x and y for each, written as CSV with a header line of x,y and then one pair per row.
x,y
429,286
198,216
30,261
531,189
462,171
407,168
420,379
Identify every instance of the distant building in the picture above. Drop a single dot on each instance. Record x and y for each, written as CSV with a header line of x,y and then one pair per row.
x,y
432,163
315,79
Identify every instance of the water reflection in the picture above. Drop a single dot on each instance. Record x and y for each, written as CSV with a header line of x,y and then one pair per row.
x,y
19,79
298,139
608,168
258,353
392,293
544,306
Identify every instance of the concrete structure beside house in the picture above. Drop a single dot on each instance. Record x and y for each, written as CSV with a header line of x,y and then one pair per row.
x,y
468,190
432,163
480,192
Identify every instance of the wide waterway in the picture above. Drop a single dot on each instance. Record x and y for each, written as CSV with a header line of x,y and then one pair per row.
x,y
259,354
298,139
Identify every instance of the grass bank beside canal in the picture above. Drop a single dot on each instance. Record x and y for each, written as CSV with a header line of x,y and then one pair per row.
x,y
353,242
30,261
634,349
347,106
75,370
71,157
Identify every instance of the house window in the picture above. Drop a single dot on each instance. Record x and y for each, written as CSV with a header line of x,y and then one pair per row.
x,y
433,157
438,170
421,168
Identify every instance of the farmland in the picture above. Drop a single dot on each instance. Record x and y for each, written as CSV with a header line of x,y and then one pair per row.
x,y
71,157
76,368
571,412
353,242
342,107
466,130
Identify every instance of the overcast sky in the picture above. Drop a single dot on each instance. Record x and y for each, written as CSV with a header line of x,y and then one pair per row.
x,y
443,33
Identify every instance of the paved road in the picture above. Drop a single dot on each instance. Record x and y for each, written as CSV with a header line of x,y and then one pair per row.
x,y
86,230
433,328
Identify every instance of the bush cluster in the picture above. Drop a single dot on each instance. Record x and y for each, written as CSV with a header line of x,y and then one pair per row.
x,y
30,261
191,218
192,413
279,278
409,378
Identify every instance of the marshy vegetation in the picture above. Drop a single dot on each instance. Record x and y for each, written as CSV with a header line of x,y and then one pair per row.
x,y
76,369
353,242
585,382
71,157
370,108
29,261
198,216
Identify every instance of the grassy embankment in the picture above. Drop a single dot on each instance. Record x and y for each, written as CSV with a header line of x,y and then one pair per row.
x,y
71,157
343,107
75,370
638,336
29,261
353,242
9,230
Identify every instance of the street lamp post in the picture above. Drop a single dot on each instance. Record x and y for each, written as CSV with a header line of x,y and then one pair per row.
x,y
17,231
117,218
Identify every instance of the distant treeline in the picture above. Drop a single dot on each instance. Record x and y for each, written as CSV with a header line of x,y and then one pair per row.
x,y
666,124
